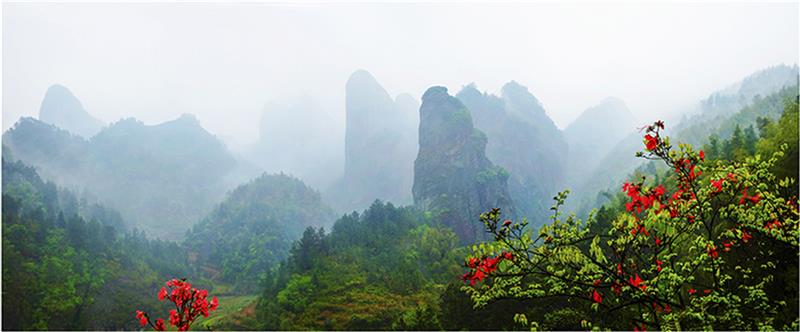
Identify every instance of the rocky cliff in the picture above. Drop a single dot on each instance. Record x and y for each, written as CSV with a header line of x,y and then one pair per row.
x,y
453,178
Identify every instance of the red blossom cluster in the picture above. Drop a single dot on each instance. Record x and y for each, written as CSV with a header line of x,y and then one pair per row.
x,y
189,304
712,251
641,201
481,268
747,198
773,224
637,283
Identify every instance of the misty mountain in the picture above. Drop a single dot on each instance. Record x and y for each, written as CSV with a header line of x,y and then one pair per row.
x,y
452,175
740,104
380,146
523,140
594,134
296,136
254,227
162,178
722,104
61,108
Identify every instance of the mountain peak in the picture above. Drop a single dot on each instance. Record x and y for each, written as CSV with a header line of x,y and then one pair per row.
x,y
60,107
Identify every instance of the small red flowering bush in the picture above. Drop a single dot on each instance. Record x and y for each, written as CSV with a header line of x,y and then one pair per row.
x,y
699,250
189,304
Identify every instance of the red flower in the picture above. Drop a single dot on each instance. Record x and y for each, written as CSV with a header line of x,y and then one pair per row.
x,y
637,282
751,199
727,246
658,265
658,241
619,268
773,224
142,317
508,255
174,318
162,294
692,291
189,303
746,236
214,303
712,252
507,222
702,155
659,191
717,185
707,291
596,297
651,142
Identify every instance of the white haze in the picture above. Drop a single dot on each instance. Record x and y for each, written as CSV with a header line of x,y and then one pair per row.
x,y
224,62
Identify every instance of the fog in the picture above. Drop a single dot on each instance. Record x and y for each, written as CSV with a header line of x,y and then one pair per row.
x,y
225,62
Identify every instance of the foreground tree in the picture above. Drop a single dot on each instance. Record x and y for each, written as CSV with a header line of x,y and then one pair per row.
x,y
189,304
712,247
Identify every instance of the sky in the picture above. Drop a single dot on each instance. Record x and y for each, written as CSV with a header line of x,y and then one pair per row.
x,y
224,61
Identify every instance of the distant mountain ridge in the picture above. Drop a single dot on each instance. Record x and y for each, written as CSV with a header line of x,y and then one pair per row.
x,y
594,134
162,177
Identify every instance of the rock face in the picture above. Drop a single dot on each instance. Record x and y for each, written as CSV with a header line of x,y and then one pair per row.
x,y
594,134
161,178
380,146
452,175
62,109
523,140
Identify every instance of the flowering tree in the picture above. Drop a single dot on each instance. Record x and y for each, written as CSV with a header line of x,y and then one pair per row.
x,y
189,304
698,251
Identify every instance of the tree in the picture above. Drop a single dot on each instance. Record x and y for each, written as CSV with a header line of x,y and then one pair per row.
x,y
710,248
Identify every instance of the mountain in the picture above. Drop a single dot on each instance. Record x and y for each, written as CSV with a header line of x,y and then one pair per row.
x,y
452,175
594,134
161,178
523,140
723,104
296,136
380,146
760,94
255,226
61,108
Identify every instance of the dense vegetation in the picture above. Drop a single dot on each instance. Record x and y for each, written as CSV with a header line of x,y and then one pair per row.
x,y
706,244
701,238
252,230
66,268
377,270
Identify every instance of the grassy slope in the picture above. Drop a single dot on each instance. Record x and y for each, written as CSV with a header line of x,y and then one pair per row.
x,y
234,313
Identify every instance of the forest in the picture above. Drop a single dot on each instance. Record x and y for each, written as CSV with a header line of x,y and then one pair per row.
x,y
694,237
482,175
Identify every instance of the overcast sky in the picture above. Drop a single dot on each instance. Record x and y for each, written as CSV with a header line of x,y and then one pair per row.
x,y
224,62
